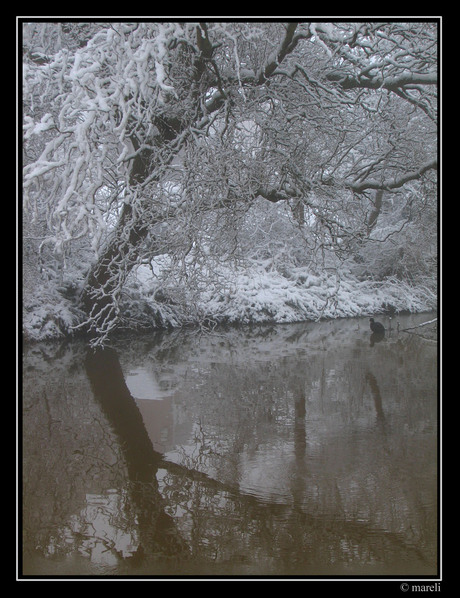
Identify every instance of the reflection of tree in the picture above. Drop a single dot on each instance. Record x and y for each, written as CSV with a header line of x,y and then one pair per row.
x,y
248,535
217,522
376,396
70,456
350,506
104,529
156,527
357,505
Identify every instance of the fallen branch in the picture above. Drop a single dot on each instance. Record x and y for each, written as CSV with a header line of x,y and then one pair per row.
x,y
420,325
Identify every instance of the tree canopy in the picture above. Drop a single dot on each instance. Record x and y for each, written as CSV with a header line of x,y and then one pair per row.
x,y
146,139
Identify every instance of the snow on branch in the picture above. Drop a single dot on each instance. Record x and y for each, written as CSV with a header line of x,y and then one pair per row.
x,y
142,140
420,325
396,182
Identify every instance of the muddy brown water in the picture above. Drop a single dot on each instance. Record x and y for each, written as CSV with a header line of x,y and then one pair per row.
x,y
297,450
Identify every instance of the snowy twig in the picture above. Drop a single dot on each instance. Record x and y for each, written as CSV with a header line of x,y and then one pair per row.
x,y
419,325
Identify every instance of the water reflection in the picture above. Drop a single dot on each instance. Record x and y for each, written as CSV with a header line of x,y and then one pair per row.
x,y
295,450
376,337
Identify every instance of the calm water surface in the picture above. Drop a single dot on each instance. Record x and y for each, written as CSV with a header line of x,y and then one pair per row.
x,y
306,449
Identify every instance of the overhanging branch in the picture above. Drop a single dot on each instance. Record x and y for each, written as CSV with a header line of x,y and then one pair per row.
x,y
390,83
395,183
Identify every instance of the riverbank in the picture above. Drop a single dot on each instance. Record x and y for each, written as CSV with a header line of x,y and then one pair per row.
x,y
246,296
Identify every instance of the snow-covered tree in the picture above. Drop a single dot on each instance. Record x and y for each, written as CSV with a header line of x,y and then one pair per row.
x,y
157,138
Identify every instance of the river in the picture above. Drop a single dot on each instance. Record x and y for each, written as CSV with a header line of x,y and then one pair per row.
x,y
305,449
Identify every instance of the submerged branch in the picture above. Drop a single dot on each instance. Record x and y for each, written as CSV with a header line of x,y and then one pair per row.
x,y
420,325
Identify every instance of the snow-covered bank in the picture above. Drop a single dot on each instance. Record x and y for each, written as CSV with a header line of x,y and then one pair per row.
x,y
260,296
249,295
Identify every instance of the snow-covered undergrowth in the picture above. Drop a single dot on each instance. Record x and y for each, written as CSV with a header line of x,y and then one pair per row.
x,y
48,313
259,296
245,296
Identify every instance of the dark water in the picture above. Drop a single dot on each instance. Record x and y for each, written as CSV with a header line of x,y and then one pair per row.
x,y
303,450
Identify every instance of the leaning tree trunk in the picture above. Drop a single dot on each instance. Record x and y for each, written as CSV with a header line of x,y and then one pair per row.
x,y
104,282
100,296
101,293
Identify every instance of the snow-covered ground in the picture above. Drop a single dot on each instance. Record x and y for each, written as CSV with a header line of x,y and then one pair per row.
x,y
258,295
248,295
